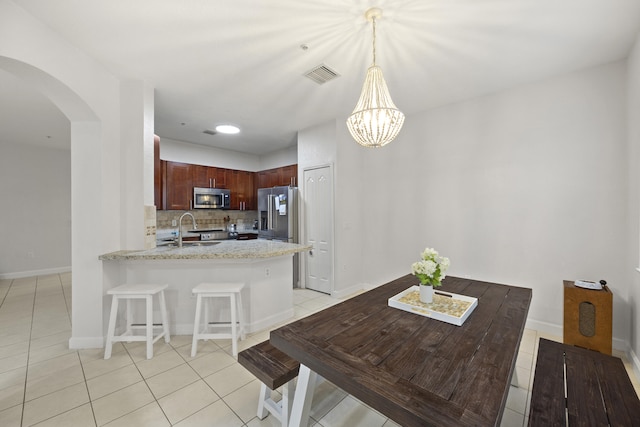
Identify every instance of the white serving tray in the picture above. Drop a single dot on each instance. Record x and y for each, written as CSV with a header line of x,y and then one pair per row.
x,y
430,310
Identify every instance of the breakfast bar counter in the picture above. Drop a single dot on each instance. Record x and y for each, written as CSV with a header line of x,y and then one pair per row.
x,y
222,249
264,266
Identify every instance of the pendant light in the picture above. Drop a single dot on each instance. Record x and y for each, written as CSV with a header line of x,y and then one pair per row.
x,y
375,121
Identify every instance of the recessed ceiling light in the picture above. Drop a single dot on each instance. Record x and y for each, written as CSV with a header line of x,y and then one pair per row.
x,y
227,129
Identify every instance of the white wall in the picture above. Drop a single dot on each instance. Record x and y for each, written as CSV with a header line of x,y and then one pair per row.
x,y
137,158
185,152
316,147
349,213
526,187
331,144
633,126
35,189
285,157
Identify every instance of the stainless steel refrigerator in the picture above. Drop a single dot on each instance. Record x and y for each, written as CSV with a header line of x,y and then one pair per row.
x,y
278,218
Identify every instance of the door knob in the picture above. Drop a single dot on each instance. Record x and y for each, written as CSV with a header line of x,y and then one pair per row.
x,y
311,252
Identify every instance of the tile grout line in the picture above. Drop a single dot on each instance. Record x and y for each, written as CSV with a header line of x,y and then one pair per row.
x,y
26,372
207,384
64,297
86,385
145,383
84,375
6,293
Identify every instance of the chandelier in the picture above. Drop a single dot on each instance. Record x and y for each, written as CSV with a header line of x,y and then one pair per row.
x,y
375,121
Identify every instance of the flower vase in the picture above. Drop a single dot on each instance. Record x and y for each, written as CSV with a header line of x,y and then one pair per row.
x,y
426,294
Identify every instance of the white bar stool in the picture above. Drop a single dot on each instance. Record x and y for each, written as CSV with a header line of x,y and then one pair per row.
x,y
218,290
129,292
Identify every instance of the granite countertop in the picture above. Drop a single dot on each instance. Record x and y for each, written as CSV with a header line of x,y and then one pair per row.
x,y
225,249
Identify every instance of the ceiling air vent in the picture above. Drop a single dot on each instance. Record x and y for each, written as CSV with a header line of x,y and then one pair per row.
x,y
210,132
321,74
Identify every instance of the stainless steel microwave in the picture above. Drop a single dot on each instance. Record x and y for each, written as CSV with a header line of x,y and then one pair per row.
x,y
211,198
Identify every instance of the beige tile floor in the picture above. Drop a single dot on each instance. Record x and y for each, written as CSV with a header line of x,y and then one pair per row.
x,y
44,383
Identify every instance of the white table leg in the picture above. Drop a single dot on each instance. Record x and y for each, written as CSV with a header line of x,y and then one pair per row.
x,y
303,397
288,391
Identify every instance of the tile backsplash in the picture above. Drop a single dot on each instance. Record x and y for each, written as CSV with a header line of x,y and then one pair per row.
x,y
150,227
213,218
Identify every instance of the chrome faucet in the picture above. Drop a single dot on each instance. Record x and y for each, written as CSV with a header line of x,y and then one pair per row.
x,y
195,227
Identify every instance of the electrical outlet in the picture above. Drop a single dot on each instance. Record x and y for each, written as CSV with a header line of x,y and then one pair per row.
x,y
266,272
174,223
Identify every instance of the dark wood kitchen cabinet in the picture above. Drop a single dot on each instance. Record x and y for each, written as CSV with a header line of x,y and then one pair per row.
x,y
200,176
242,186
158,173
178,186
175,191
289,175
209,176
286,175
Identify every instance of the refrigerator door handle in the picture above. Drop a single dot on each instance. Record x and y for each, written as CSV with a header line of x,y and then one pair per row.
x,y
269,209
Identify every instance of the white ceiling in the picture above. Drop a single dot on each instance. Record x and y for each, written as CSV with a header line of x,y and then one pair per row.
x,y
240,61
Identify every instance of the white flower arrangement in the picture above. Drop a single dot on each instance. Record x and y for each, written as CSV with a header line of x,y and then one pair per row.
x,y
431,268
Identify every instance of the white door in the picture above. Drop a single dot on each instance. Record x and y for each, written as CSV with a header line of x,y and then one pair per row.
x,y
318,219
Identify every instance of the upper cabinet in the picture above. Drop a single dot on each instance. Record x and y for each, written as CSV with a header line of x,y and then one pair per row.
x,y
158,173
286,175
174,183
289,175
242,187
209,177
178,186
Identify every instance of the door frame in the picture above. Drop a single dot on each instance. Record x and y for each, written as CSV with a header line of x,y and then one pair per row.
x,y
302,208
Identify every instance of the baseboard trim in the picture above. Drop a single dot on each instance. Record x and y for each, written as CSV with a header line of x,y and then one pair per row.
x,y
635,362
546,327
79,343
32,273
343,293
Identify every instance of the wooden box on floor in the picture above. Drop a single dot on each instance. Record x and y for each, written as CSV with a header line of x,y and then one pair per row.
x,y
587,317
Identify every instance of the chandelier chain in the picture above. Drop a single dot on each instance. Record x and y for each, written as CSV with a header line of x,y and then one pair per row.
x,y
374,41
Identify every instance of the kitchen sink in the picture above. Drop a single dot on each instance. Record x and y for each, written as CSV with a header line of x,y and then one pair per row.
x,y
172,244
193,243
201,243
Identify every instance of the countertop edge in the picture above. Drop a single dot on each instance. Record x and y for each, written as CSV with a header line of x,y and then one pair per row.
x,y
237,250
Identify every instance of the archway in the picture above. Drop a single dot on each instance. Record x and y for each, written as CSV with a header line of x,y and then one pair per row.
x,y
86,136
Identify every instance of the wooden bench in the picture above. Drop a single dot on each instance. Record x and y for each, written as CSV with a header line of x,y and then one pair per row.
x,y
274,369
598,389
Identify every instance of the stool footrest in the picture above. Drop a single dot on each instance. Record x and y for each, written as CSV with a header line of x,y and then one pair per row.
x,y
214,336
144,325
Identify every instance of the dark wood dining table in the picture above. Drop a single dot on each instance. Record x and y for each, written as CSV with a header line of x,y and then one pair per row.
x,y
415,370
